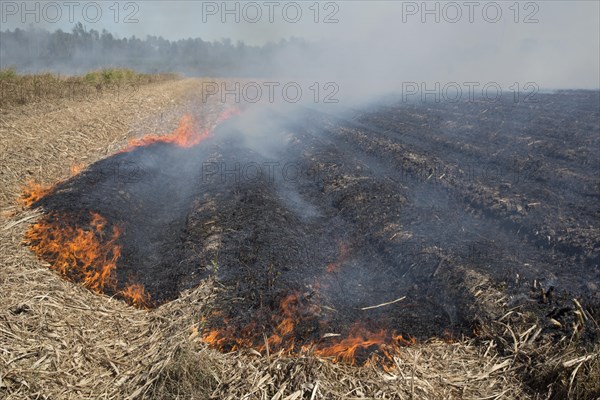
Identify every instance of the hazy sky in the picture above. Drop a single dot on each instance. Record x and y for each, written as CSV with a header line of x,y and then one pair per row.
x,y
553,43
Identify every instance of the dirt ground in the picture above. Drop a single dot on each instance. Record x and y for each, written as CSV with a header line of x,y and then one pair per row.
x,y
479,225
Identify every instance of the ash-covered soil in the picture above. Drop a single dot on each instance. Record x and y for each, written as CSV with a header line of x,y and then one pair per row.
x,y
361,208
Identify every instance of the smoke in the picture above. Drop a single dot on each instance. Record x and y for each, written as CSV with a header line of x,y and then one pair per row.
x,y
324,176
366,48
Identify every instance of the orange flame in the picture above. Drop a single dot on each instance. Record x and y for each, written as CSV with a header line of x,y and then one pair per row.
x,y
292,329
75,169
382,343
84,254
282,323
78,254
361,345
88,255
187,133
136,295
33,192
359,338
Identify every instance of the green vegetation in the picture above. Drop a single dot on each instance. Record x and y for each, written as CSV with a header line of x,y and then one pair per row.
x,y
110,76
7,73
17,89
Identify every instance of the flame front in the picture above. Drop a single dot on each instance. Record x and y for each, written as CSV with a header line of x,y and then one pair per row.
x,y
292,330
78,254
88,252
282,323
378,346
33,192
136,295
85,252
296,326
345,349
187,133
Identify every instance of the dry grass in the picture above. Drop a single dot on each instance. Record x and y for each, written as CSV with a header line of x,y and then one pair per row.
x,y
17,90
60,341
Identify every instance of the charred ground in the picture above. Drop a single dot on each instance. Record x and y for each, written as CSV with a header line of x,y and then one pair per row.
x,y
358,209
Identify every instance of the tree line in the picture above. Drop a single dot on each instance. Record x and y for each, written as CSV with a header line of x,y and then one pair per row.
x,y
81,50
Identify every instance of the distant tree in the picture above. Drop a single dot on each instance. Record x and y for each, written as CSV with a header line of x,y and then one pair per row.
x,y
81,50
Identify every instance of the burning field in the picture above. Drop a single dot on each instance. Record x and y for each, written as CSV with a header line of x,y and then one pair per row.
x,y
333,256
